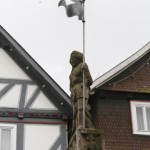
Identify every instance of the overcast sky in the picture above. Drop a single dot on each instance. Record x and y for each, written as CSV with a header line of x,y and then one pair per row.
x,y
115,29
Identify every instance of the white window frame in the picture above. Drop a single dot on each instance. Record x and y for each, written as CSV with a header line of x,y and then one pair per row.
x,y
133,106
13,130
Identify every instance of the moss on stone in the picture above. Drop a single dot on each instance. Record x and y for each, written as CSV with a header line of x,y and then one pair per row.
x,y
144,90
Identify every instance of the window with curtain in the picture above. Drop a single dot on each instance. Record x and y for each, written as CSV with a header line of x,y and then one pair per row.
x,y
140,113
7,137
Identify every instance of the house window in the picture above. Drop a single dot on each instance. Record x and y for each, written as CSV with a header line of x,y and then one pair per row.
x,y
140,112
7,137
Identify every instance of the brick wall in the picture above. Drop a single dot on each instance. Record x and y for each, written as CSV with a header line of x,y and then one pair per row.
x,y
114,118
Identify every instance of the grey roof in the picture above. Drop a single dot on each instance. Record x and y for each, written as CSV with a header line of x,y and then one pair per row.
x,y
36,72
120,67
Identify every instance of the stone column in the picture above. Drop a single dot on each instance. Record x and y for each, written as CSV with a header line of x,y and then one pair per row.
x,y
87,139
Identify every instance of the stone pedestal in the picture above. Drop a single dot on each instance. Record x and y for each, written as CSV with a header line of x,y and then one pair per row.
x,y
87,139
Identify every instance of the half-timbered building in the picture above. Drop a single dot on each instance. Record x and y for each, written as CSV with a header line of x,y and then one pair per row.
x,y
34,110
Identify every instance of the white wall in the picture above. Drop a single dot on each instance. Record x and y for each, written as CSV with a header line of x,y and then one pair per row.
x,y
9,69
40,137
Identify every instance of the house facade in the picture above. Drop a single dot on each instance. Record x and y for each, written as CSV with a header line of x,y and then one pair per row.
x,y
121,103
34,110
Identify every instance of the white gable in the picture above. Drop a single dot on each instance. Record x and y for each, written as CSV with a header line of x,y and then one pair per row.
x,y
42,102
9,69
17,88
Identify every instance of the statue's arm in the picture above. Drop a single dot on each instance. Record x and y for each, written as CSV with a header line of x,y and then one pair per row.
x,y
88,77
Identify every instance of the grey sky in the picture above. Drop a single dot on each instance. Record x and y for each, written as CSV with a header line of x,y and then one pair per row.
x,y
115,29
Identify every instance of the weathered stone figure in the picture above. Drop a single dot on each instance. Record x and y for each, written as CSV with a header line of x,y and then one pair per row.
x,y
82,137
76,89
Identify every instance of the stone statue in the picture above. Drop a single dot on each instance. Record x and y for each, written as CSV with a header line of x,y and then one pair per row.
x,y
76,89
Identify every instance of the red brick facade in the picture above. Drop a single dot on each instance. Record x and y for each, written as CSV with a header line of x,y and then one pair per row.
x,y
111,106
114,118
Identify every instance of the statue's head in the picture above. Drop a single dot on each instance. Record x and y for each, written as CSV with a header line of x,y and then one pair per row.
x,y
76,58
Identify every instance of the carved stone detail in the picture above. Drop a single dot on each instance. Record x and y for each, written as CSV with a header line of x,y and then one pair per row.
x,y
87,139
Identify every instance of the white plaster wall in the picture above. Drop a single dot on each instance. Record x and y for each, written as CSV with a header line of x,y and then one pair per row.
x,y
42,102
9,69
40,137
12,98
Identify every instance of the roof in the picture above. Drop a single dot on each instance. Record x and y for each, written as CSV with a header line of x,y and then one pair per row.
x,y
121,67
36,72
